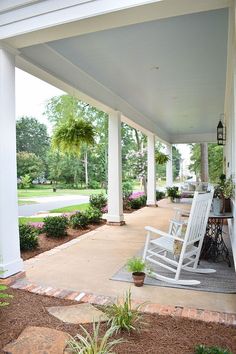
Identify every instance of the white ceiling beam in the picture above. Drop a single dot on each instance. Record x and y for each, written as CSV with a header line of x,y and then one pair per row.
x,y
93,16
193,138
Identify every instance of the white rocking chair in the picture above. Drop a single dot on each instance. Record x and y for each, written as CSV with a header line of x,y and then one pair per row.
x,y
188,236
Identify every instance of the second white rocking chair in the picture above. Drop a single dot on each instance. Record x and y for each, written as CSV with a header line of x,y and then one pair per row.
x,y
180,248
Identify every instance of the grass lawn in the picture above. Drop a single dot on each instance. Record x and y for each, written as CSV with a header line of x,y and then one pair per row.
x,y
25,202
46,191
25,220
70,208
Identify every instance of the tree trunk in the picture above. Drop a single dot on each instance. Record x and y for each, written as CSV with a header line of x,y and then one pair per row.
x,y
204,162
86,168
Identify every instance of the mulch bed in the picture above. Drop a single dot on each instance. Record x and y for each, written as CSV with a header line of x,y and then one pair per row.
x,y
47,243
160,335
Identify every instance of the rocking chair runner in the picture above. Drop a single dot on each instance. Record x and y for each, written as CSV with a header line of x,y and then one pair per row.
x,y
180,248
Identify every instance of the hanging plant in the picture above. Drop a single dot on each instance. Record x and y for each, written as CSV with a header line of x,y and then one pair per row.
x,y
161,158
69,136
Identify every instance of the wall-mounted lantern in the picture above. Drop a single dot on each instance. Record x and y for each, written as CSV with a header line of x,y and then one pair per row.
x,y
221,133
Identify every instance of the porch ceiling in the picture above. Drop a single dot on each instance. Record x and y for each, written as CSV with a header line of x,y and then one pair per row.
x,y
167,75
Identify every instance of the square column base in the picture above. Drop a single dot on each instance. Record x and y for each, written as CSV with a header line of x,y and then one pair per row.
x,y
116,223
152,205
12,268
13,278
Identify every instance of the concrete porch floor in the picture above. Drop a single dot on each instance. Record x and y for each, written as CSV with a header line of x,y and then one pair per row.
x,y
87,264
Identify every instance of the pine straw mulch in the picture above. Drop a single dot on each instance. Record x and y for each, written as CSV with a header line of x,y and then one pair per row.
x,y
160,335
47,243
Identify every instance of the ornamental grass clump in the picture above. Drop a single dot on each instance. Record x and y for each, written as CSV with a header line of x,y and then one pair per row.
x,y
55,226
122,316
202,349
94,343
4,295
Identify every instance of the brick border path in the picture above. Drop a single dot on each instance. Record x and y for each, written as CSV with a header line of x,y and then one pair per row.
x,y
175,311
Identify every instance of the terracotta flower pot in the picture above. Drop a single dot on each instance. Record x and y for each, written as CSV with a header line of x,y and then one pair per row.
x,y
138,278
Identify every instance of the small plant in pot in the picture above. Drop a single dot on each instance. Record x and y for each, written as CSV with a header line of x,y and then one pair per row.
x,y
137,267
173,193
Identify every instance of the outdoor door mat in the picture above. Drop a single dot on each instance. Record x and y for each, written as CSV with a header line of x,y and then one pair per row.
x,y
223,281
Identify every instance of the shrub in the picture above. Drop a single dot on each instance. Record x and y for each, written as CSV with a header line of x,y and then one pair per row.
x,y
28,237
93,214
98,201
79,220
160,195
55,226
93,343
122,316
127,188
202,349
94,185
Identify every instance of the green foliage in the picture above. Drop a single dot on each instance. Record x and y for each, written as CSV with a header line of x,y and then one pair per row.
x,y
26,182
122,316
55,226
4,295
94,343
31,137
161,158
94,185
172,192
160,195
28,237
93,215
69,136
202,349
138,203
79,220
215,161
127,188
29,164
98,201
136,264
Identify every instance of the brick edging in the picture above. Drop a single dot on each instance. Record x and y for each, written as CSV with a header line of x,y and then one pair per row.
x,y
151,308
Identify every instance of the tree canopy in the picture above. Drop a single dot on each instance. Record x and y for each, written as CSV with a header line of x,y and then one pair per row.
x,y
32,136
215,161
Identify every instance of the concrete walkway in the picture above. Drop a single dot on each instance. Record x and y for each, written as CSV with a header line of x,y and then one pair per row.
x,y
87,264
50,203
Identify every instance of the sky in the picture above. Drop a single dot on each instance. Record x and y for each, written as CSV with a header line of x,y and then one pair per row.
x,y
32,95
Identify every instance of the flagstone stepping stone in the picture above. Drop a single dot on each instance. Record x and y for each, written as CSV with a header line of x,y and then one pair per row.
x,y
81,313
38,340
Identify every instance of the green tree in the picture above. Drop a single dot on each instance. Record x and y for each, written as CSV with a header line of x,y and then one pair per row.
x,y
215,161
29,164
26,182
32,136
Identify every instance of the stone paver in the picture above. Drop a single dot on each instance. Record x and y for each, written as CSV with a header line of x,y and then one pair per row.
x,y
81,313
38,340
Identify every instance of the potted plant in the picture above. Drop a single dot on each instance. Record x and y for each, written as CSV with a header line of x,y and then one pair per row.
x,y
173,193
137,267
222,194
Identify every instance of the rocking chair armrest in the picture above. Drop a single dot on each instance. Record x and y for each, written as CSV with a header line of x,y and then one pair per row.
x,y
183,211
184,222
162,233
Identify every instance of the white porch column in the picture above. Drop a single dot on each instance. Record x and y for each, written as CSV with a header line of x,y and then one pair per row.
x,y
115,203
151,171
10,261
169,166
